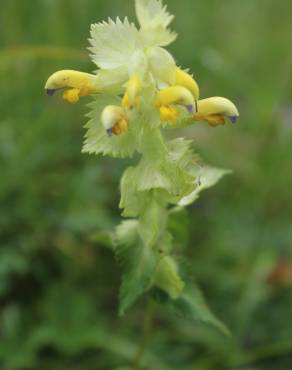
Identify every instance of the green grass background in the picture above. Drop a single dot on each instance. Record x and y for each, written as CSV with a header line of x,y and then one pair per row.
x,y
58,284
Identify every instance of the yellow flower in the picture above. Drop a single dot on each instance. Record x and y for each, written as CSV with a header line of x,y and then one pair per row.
x,y
168,113
134,66
71,96
114,120
215,110
133,91
184,79
78,83
174,95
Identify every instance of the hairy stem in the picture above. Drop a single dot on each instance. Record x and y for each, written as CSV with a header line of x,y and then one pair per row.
x,y
146,331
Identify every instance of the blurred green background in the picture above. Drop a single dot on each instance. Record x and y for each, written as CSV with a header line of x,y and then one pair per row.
x,y
58,283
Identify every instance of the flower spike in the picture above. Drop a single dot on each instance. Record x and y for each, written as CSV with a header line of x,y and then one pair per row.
x,y
135,70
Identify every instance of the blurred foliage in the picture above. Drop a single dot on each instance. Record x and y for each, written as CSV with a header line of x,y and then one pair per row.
x,y
59,281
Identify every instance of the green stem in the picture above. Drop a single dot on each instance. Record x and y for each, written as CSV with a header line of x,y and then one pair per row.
x,y
146,331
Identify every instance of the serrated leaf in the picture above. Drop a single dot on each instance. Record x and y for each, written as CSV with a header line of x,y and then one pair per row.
x,y
178,148
132,201
206,177
192,306
127,233
167,277
152,13
154,20
96,139
113,43
138,262
167,173
157,36
164,174
138,278
181,151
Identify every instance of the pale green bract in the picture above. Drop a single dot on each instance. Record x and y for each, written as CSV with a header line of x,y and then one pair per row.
x,y
168,174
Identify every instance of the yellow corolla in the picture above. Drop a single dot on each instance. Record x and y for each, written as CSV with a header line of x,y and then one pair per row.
x,y
176,95
168,98
133,92
78,84
184,79
114,120
215,110
168,113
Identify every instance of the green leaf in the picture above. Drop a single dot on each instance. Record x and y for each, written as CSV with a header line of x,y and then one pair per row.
x,y
206,177
127,233
132,201
138,262
181,152
164,174
96,139
167,277
167,174
153,220
192,306
178,225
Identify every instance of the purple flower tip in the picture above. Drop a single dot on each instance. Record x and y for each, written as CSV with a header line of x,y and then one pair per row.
x,y
233,119
110,132
190,108
50,92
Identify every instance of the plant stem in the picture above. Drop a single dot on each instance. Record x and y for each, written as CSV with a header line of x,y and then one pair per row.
x,y
146,331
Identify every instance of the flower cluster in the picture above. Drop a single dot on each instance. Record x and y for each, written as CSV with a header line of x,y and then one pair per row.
x,y
134,63
137,91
